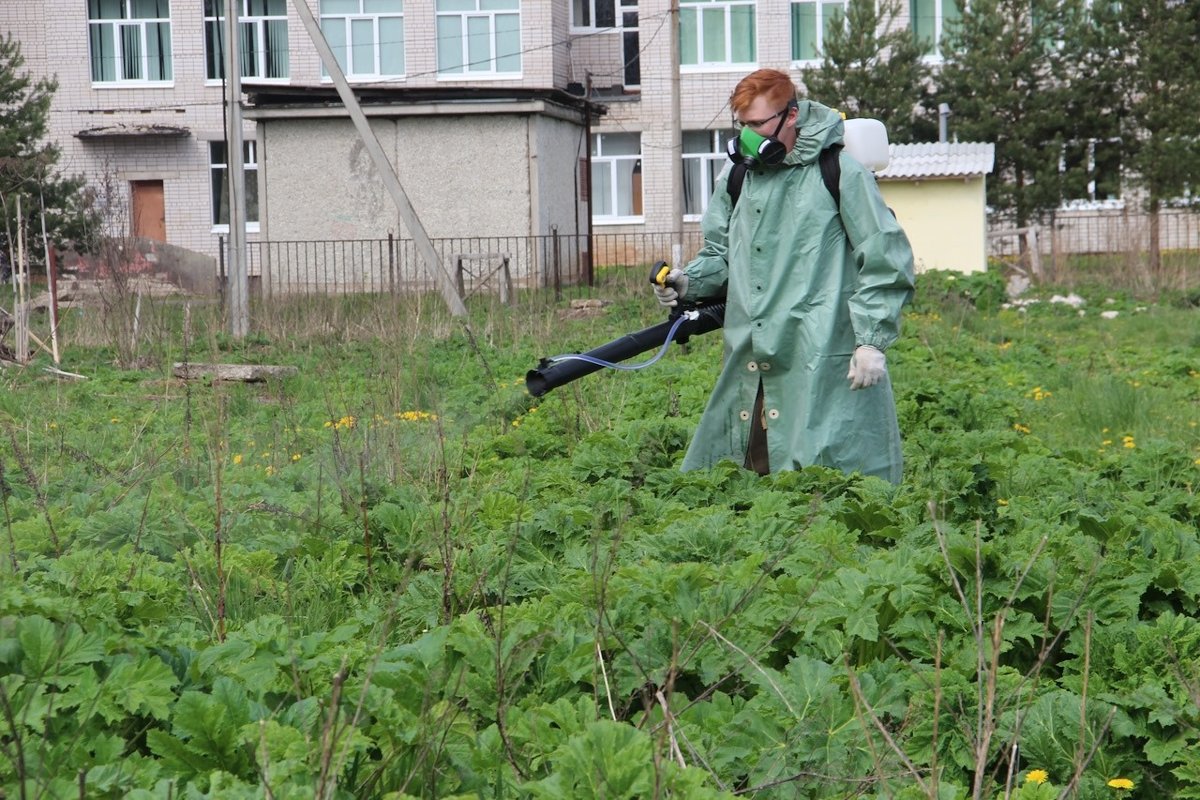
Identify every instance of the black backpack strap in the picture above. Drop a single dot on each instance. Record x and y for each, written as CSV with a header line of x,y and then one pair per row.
x,y
737,175
831,172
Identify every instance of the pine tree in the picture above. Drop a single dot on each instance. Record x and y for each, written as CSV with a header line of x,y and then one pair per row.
x,y
1151,46
1008,80
873,68
28,162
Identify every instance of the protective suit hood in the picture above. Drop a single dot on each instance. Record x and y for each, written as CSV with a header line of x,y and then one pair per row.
x,y
817,127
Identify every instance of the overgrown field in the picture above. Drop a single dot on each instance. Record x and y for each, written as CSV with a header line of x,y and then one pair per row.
x,y
396,575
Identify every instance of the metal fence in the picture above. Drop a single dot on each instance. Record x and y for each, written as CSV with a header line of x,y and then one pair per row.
x,y
508,267
500,265
1113,244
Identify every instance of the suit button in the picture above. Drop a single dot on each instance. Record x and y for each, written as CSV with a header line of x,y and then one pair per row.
x,y
745,415
765,366
752,366
773,414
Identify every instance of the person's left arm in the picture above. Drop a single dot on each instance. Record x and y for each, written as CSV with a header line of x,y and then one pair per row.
x,y
882,256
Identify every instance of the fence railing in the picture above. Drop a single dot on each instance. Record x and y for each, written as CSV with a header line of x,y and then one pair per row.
x,y
503,267
1113,244
494,265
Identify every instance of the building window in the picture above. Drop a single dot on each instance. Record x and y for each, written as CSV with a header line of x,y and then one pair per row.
x,y
220,183
262,39
716,33
366,36
1095,170
929,20
130,41
617,177
811,20
592,14
704,156
479,37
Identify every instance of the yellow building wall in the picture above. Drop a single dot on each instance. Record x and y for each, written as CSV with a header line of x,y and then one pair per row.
x,y
945,219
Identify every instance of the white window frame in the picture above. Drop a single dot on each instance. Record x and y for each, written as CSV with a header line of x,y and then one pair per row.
x,y
249,24
139,27
688,8
823,7
939,30
217,172
710,165
611,164
347,22
483,69
1091,202
590,26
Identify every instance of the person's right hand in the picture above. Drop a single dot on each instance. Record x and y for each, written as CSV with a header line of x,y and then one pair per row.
x,y
674,288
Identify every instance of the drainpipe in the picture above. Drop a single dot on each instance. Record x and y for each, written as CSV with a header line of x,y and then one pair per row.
x,y
943,117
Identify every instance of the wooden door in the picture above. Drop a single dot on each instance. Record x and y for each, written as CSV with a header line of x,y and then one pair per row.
x,y
149,210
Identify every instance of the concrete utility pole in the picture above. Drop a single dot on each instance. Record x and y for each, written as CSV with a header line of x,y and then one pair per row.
x,y
239,281
676,143
371,142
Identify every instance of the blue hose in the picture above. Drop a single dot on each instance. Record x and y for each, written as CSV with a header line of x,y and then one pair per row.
x,y
686,315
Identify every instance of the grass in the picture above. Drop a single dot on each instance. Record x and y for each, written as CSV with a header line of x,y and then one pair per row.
x,y
402,490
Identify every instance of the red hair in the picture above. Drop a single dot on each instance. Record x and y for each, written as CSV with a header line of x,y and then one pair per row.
x,y
773,84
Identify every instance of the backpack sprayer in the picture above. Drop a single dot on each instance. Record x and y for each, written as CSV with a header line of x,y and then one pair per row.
x,y
865,139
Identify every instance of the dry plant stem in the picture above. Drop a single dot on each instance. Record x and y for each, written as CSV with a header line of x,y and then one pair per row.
x,y
218,531
5,490
1083,694
446,542
770,681
1073,784
861,705
934,773
498,653
676,753
17,755
612,712
325,782
35,486
363,509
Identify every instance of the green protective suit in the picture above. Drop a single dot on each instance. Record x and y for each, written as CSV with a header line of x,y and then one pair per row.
x,y
804,288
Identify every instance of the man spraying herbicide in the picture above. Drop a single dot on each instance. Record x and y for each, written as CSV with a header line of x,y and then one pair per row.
x,y
814,272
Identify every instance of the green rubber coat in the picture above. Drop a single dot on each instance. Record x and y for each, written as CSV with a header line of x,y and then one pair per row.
x,y
803,289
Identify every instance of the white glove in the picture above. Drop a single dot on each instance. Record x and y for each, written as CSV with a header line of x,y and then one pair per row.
x,y
675,289
867,367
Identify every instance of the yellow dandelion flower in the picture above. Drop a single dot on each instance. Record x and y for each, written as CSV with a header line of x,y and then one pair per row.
x,y
115,420
1123,784
1001,502
1019,428
53,425
237,458
328,423
270,470
295,456
1037,776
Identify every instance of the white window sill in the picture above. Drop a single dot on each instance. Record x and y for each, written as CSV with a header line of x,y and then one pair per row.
x,y
369,78
618,220
691,69
134,84
480,76
254,81
251,227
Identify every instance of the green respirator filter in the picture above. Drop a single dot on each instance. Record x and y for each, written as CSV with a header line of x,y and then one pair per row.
x,y
760,148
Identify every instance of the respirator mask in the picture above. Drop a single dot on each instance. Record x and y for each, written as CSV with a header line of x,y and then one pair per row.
x,y
752,148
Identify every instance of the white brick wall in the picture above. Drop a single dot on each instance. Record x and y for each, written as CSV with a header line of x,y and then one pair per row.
x,y
55,40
